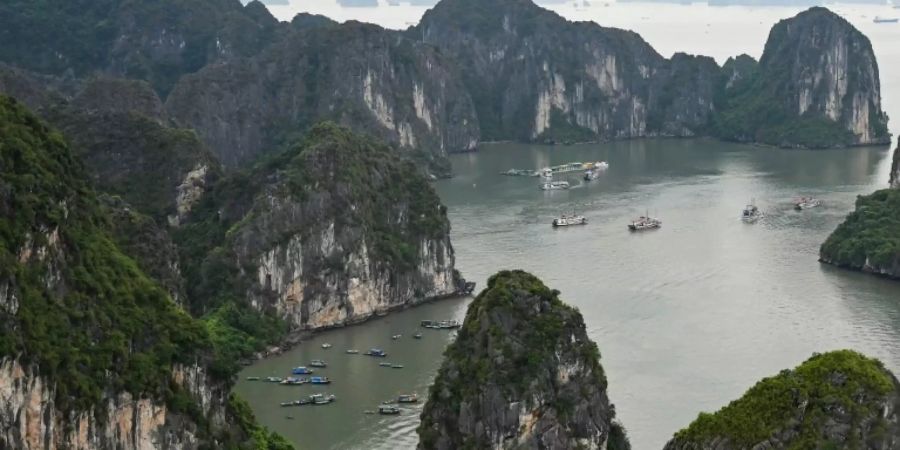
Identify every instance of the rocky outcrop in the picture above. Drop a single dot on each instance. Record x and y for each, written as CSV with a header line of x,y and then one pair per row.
x,y
331,232
358,75
522,373
534,75
816,85
836,400
30,417
153,41
869,239
895,167
93,354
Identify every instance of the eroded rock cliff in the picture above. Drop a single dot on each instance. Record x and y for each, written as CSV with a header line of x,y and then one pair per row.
x,y
358,75
816,85
93,354
521,374
330,232
836,400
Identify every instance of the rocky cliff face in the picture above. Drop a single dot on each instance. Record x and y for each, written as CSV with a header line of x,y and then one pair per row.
x,y
357,75
835,400
330,232
153,41
93,354
895,167
817,85
535,75
522,373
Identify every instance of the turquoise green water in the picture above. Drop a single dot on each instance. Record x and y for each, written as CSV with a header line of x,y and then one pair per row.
x,y
687,317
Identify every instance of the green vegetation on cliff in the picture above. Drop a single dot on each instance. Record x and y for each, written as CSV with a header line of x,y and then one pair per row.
x,y
802,402
869,239
72,304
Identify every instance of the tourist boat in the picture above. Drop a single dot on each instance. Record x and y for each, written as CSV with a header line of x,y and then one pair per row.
x,y
301,370
317,363
521,173
751,213
322,399
554,185
429,324
252,378
293,381
806,203
448,324
396,366
388,410
407,398
644,223
301,402
886,19
384,364
353,352
376,352
417,336
566,220
319,380
326,345
274,379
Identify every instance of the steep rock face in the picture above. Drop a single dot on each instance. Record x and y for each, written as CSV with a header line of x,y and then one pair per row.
x,y
836,400
869,239
359,75
521,374
817,85
330,232
154,41
535,75
93,354
895,167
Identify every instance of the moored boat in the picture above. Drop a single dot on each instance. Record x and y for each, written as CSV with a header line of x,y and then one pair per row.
x,y
566,220
301,370
318,363
417,336
644,223
554,186
407,398
886,19
274,379
353,352
388,410
293,381
322,399
396,366
326,345
376,352
384,364
396,336
319,380
252,378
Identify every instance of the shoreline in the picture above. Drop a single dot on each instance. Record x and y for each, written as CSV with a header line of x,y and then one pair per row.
x,y
296,337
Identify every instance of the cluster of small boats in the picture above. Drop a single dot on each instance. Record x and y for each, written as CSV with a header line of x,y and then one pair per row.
x,y
390,408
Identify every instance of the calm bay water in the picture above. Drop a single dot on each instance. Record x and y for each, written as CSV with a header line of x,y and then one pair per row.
x,y
687,317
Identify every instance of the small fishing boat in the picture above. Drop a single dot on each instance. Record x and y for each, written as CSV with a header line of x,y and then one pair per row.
x,y
274,379
644,223
407,398
252,378
319,380
322,399
293,381
353,352
302,370
566,220
806,203
384,364
388,410
301,402
317,363
396,366
396,336
376,352
750,213
554,186
417,336
326,345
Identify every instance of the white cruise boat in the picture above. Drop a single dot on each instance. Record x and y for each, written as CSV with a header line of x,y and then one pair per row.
x,y
806,203
644,223
566,220
554,185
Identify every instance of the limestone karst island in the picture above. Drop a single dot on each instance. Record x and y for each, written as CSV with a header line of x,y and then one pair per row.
x,y
449,224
